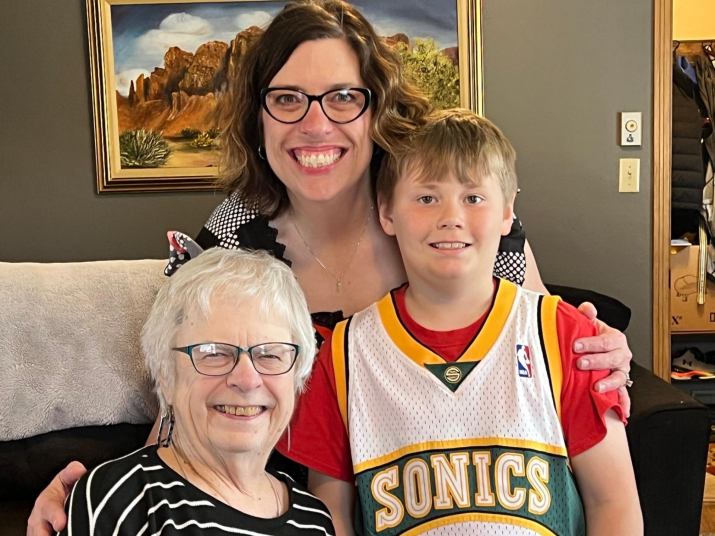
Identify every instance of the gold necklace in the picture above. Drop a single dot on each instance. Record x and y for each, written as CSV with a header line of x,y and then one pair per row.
x,y
338,279
279,502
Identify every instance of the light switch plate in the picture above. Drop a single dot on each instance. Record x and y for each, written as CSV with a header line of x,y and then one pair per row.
x,y
631,128
629,175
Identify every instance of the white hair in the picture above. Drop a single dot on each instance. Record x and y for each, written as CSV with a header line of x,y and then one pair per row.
x,y
233,275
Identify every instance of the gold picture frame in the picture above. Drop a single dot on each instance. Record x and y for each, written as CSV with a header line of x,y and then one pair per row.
x,y
199,168
662,154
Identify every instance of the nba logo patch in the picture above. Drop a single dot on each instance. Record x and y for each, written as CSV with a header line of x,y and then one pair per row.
x,y
523,360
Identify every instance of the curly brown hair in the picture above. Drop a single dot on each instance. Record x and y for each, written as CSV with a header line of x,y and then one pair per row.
x,y
398,107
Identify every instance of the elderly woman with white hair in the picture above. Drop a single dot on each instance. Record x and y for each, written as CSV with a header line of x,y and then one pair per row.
x,y
229,344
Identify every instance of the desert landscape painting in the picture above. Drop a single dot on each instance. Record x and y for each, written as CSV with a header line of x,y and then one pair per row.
x,y
170,65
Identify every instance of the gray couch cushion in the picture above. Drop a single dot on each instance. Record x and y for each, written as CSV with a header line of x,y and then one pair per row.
x,y
69,334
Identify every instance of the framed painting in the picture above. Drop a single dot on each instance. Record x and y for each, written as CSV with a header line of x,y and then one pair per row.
x,y
160,68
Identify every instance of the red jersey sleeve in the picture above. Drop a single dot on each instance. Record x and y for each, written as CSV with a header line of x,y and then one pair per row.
x,y
318,436
583,409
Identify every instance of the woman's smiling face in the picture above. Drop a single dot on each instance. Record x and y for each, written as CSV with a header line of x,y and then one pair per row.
x,y
243,411
317,159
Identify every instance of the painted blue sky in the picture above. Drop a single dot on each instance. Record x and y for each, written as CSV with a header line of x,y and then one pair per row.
x,y
143,33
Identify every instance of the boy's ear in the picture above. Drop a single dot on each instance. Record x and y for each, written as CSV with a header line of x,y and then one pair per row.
x,y
384,209
508,216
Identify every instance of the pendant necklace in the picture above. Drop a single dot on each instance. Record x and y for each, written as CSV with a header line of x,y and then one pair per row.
x,y
338,279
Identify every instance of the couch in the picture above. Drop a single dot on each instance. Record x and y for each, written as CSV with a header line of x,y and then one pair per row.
x,y
107,301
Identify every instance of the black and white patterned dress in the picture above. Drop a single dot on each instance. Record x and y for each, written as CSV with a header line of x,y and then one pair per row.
x,y
140,495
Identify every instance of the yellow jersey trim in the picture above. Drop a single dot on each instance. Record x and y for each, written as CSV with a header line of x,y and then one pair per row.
x,y
402,338
551,345
477,350
483,517
459,444
338,355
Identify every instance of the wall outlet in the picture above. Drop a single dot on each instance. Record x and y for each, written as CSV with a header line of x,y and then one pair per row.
x,y
629,175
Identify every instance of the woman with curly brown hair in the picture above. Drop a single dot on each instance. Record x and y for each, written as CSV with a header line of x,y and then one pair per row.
x,y
318,99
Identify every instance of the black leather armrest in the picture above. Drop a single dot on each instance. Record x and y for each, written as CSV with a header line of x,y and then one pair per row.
x,y
28,465
668,435
610,310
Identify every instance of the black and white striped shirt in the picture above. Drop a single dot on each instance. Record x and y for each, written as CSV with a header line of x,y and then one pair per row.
x,y
139,495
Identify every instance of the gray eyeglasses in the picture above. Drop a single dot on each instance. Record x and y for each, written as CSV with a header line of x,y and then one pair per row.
x,y
219,359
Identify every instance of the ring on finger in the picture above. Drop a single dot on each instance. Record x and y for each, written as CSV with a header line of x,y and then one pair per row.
x,y
629,382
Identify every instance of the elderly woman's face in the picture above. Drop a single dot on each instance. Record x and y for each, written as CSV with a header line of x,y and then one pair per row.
x,y
316,67
202,404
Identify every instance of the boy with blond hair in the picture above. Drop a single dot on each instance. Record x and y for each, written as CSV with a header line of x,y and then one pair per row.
x,y
452,405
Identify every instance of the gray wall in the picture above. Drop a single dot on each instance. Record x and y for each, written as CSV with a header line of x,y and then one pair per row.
x,y
49,208
557,75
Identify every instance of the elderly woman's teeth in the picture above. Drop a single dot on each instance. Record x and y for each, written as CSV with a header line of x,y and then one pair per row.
x,y
317,160
240,410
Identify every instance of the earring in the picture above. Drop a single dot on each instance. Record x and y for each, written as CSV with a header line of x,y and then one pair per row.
x,y
262,152
168,420
289,437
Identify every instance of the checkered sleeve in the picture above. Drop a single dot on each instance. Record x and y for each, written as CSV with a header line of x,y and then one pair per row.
x,y
511,262
227,218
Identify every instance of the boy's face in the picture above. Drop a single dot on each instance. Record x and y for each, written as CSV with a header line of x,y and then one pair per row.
x,y
447,230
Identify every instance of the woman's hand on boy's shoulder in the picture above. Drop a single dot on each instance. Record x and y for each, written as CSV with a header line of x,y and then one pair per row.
x,y
608,350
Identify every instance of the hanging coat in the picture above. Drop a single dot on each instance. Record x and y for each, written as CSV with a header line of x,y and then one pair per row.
x,y
706,86
688,178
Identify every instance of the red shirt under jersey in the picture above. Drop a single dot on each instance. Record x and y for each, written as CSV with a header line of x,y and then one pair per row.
x,y
318,436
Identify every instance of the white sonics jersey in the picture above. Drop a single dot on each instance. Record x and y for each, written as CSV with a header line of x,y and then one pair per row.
x,y
469,447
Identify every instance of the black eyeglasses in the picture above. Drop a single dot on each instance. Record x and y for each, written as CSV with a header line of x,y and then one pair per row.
x,y
341,106
219,359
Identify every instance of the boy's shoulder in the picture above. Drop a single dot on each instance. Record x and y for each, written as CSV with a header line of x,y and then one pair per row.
x,y
567,316
361,318
387,301
571,324
571,320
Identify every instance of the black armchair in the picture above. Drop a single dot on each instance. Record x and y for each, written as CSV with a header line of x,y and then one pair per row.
x,y
668,434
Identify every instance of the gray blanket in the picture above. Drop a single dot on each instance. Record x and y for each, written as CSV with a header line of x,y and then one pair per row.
x,y
69,345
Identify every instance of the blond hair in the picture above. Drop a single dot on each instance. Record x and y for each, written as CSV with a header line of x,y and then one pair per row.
x,y
456,141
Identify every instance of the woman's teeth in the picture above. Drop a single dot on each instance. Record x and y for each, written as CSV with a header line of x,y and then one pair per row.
x,y
248,411
449,245
317,160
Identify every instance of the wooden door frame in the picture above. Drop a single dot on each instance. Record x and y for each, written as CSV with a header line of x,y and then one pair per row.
x,y
662,124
